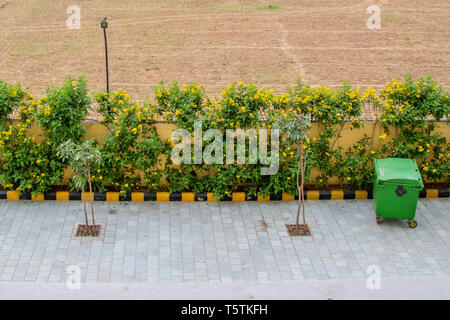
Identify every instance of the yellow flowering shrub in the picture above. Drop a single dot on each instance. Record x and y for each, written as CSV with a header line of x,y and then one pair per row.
x,y
179,106
408,107
130,152
133,154
26,165
11,96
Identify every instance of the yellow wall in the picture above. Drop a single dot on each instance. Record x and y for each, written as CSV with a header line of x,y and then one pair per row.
x,y
349,137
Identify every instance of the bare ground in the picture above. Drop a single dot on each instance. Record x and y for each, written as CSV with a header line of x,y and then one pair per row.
x,y
215,43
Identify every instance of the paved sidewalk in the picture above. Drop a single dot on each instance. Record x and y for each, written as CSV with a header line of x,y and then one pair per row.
x,y
219,243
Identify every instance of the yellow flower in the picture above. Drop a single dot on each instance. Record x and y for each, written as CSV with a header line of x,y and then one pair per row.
x,y
38,161
177,112
383,136
243,109
349,178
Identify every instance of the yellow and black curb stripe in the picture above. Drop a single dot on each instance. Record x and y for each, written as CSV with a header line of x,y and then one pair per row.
x,y
191,197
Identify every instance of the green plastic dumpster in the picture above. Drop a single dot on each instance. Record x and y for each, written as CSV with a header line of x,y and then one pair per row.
x,y
396,189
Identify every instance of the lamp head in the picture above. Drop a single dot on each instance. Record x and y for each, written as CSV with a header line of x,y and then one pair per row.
x,y
104,23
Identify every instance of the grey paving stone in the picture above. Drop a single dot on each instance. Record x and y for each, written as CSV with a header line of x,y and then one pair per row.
x,y
176,242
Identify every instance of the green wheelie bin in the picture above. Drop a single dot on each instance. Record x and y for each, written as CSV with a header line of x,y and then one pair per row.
x,y
396,189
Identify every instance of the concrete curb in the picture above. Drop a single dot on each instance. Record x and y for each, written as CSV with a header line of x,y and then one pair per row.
x,y
402,288
191,197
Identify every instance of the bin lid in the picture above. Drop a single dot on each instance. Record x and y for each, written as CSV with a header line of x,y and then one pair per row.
x,y
398,170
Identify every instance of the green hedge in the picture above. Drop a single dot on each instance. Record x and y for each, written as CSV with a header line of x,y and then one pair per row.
x,y
134,156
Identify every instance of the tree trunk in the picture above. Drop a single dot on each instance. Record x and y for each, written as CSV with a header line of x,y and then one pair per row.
x,y
300,187
85,211
299,195
91,196
303,185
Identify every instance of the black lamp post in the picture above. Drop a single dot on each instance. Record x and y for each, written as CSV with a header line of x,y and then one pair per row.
x,y
104,25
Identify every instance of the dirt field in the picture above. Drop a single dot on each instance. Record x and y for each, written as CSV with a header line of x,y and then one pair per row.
x,y
215,43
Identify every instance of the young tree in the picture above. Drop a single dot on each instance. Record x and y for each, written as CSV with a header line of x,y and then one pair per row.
x,y
82,158
293,125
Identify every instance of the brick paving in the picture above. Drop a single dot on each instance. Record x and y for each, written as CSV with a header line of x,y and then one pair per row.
x,y
211,242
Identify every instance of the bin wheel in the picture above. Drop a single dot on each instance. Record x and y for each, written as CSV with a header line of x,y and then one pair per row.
x,y
378,219
412,223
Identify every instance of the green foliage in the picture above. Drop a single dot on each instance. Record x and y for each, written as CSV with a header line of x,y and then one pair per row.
x,y
82,158
180,106
60,112
410,104
331,109
282,181
28,165
133,156
293,124
130,151
181,179
11,96
357,168
407,107
110,103
32,166
242,106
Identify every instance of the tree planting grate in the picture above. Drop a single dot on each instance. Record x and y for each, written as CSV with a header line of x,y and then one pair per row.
x,y
91,231
298,230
